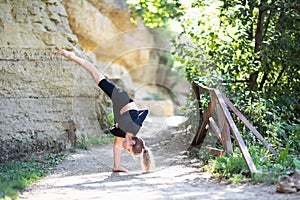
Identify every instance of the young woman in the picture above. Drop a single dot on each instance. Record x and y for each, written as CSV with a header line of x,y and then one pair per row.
x,y
128,119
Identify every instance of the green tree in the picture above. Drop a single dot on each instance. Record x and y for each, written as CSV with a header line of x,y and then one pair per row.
x,y
255,44
251,51
155,13
254,48
274,29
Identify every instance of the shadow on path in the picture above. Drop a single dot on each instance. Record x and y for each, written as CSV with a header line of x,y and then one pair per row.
x,y
87,174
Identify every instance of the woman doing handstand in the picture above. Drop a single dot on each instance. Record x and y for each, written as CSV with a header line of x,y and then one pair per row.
x,y
128,119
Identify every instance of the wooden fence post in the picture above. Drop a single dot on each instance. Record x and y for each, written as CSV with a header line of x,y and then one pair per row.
x,y
225,131
216,130
200,135
247,123
236,134
225,124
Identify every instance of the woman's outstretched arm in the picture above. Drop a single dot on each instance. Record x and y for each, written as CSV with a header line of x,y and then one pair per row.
x,y
97,76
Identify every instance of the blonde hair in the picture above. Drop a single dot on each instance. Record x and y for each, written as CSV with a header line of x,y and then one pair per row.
x,y
146,157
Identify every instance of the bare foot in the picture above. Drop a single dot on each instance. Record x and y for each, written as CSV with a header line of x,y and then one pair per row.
x,y
120,170
64,53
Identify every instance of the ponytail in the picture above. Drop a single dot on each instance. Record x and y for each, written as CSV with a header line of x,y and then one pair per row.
x,y
146,156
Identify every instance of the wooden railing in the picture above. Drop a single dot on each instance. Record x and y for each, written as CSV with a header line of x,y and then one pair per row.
x,y
223,125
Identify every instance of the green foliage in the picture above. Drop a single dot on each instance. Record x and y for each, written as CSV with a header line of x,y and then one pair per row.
x,y
155,13
228,166
283,156
250,51
87,141
190,110
270,177
277,167
111,120
236,178
296,163
16,175
192,61
249,57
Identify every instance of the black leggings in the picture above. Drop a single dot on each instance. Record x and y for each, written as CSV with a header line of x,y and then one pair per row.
x,y
129,121
119,98
108,87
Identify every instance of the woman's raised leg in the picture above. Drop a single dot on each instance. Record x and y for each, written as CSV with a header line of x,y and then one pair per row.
x,y
97,76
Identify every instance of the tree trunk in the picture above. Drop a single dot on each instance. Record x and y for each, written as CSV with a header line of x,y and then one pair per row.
x,y
258,40
279,76
264,79
260,27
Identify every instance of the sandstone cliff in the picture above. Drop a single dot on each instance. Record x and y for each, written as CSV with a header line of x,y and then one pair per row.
x,y
44,98
104,28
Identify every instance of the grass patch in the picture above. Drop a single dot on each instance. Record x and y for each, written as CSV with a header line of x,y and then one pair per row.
x,y
87,141
265,177
234,169
17,175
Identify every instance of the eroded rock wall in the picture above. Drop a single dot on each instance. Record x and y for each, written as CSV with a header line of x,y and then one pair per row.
x,y
104,28
46,101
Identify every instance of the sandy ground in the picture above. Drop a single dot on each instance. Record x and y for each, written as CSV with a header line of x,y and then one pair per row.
x,y
87,174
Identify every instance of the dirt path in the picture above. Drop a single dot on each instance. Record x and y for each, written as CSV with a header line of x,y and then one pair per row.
x,y
87,174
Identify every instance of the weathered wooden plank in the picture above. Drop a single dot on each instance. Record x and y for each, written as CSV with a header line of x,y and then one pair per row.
x,y
220,116
200,134
196,91
216,129
236,133
225,131
248,124
197,94
214,151
203,88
